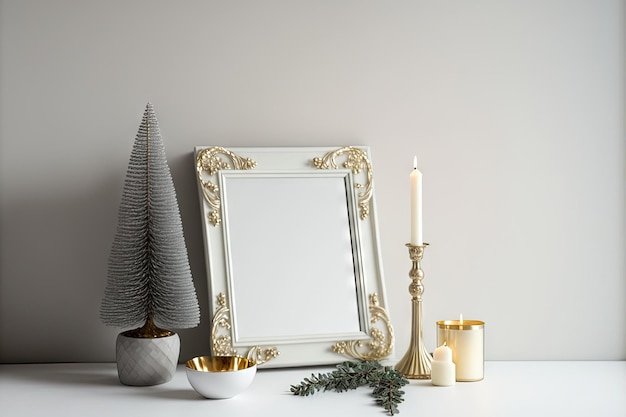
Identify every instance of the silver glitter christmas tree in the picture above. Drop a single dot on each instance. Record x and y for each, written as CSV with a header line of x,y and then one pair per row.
x,y
149,279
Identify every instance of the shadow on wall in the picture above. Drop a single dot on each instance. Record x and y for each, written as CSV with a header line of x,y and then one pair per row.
x,y
54,269
196,341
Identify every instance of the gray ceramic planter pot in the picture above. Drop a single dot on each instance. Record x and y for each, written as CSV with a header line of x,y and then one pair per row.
x,y
146,361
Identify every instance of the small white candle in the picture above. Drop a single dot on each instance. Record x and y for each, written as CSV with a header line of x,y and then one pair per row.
x,y
416,205
443,370
466,340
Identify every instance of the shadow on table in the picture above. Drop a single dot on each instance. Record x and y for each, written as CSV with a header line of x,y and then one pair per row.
x,y
100,375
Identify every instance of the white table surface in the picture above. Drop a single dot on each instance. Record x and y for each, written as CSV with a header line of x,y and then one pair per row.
x,y
509,389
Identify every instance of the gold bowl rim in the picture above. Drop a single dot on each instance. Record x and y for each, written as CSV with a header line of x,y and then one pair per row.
x,y
218,364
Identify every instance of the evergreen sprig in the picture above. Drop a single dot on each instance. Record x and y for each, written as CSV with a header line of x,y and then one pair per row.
x,y
387,390
385,381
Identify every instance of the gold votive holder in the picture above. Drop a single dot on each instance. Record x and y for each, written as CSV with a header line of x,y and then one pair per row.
x,y
416,363
466,339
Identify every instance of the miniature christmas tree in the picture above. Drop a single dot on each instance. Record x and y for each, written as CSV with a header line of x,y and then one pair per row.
x,y
149,278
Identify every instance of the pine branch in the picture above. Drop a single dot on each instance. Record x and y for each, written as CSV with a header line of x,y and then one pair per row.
x,y
385,381
387,390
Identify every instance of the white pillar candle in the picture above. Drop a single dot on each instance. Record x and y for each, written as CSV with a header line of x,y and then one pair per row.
x,y
466,340
442,371
416,205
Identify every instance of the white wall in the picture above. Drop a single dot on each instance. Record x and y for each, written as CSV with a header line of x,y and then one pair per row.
x,y
515,110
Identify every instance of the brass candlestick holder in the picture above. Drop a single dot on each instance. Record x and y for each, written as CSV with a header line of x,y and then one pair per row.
x,y
416,363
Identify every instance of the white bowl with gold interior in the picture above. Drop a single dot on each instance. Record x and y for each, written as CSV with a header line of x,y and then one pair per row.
x,y
220,376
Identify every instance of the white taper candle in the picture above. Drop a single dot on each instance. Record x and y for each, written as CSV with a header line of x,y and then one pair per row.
x,y
416,205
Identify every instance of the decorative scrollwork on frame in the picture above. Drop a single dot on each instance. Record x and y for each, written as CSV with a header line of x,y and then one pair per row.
x,y
357,161
381,343
260,355
222,342
208,162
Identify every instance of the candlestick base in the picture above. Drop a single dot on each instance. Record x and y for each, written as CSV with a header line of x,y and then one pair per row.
x,y
416,363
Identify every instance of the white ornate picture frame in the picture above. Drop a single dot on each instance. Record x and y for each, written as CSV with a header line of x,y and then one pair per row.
x,y
293,261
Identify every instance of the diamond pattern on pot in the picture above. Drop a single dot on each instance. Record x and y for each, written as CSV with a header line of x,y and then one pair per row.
x,y
143,361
